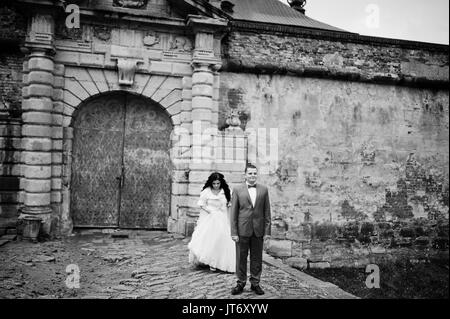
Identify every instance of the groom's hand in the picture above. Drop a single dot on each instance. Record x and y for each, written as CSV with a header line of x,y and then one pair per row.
x,y
266,241
235,238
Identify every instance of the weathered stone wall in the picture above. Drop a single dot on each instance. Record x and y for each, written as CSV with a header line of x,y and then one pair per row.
x,y
349,153
10,136
353,57
12,31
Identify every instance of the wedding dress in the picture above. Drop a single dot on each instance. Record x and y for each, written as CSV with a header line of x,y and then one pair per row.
x,y
211,242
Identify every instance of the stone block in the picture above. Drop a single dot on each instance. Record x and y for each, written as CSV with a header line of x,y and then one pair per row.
x,y
59,69
201,114
186,82
36,144
56,197
56,183
36,158
186,94
202,90
171,101
58,82
37,117
160,67
97,76
31,171
36,185
76,89
202,102
37,199
319,265
57,132
297,262
58,107
36,130
181,69
38,90
41,63
40,77
202,78
37,104
71,99
180,188
279,248
57,119
92,59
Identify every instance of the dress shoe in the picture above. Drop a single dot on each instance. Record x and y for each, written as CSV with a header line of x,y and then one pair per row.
x,y
257,290
237,290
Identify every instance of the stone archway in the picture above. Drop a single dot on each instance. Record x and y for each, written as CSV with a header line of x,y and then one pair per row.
x,y
121,166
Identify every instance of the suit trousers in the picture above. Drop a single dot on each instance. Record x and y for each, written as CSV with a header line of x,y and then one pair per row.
x,y
255,245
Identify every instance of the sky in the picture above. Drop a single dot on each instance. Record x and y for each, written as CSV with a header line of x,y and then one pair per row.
x,y
416,20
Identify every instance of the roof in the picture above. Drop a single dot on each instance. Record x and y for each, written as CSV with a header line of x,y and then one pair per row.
x,y
275,12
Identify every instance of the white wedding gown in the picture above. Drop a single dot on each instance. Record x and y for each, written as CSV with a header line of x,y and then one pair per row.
x,y
211,242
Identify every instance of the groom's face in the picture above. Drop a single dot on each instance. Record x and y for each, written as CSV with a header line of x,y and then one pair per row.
x,y
251,175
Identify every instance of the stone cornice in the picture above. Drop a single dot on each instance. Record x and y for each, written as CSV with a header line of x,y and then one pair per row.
x,y
323,72
204,24
240,25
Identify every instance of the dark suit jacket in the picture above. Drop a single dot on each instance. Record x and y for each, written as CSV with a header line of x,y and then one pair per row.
x,y
246,219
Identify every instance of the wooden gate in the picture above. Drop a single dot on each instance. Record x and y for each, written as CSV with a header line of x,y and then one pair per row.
x,y
121,164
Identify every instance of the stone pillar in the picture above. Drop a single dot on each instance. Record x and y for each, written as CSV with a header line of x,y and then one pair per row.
x,y
37,118
205,64
57,144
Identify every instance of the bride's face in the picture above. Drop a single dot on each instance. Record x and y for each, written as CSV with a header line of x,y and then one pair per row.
x,y
216,185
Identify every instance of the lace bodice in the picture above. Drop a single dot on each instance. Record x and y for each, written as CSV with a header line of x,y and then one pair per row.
x,y
212,201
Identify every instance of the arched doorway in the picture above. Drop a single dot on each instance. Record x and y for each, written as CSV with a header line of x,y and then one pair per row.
x,y
121,168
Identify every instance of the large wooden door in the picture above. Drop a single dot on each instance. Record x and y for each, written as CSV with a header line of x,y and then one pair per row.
x,y
147,183
121,165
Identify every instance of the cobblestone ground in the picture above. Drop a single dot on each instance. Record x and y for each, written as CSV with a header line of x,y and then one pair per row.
x,y
144,265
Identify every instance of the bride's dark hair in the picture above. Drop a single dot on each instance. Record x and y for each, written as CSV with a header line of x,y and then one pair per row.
x,y
223,184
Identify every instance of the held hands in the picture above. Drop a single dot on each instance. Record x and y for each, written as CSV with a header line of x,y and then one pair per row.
x,y
266,241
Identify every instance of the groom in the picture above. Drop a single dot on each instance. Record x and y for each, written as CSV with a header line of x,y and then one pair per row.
x,y
250,226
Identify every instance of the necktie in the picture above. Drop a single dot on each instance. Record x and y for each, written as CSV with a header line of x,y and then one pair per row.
x,y
252,186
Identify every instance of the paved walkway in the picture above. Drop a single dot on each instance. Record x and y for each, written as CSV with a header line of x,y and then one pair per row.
x,y
144,265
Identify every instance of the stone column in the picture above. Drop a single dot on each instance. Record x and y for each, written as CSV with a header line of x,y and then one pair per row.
x,y
205,64
37,118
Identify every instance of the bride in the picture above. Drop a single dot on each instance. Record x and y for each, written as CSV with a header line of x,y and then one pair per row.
x,y
211,242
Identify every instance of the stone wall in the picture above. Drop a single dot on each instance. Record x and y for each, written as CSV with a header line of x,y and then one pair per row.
x,y
349,154
10,136
339,56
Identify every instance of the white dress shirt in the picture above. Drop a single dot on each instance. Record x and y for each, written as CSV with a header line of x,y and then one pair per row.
x,y
252,193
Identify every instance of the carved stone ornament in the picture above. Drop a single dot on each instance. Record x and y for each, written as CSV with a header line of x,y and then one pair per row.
x,y
102,33
127,69
132,4
181,44
233,120
151,39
